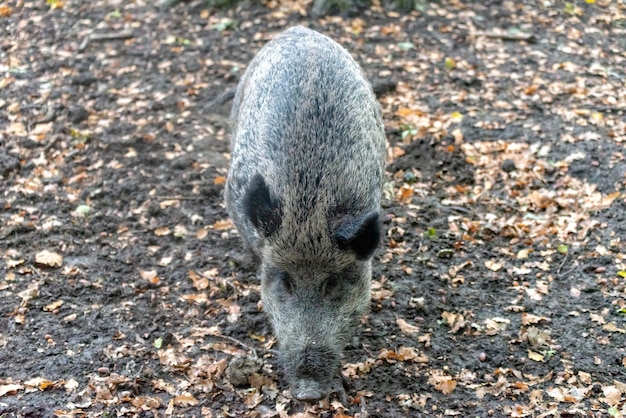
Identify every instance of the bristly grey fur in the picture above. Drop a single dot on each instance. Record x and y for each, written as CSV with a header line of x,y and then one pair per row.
x,y
304,190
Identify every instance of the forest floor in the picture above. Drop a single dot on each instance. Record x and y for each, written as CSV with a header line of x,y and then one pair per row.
x,y
499,290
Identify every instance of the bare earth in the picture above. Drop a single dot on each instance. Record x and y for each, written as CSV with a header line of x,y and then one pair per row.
x,y
500,288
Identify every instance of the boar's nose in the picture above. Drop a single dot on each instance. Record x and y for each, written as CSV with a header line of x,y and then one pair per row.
x,y
314,370
307,390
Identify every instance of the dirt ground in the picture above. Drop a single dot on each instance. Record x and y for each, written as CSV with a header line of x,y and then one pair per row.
x,y
499,290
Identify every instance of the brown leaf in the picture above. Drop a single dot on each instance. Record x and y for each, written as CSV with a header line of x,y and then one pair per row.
x,y
159,232
535,356
454,321
198,298
70,317
223,224
407,328
199,282
528,319
10,389
48,258
412,354
5,11
397,152
202,233
148,274
17,129
146,402
612,395
404,194
611,327
169,203
53,306
444,384
493,265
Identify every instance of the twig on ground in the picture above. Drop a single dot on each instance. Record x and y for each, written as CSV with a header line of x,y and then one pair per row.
x,y
51,113
220,100
50,144
604,109
36,271
236,341
558,271
367,350
568,272
507,36
48,117
178,197
99,37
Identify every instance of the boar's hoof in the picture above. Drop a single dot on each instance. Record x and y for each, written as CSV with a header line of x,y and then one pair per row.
x,y
307,390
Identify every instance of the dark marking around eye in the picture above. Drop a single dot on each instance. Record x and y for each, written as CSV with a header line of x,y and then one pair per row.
x,y
329,285
285,280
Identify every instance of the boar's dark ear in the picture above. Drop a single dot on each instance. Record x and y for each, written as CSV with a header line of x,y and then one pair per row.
x,y
361,235
264,211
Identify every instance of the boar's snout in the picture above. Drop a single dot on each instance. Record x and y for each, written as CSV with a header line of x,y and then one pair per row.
x,y
314,371
308,390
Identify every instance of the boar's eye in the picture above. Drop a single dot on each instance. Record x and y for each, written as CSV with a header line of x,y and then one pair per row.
x,y
330,286
279,280
285,281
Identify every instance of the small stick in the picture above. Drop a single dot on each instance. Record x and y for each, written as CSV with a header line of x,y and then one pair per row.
x,y
562,263
568,272
508,36
236,341
51,143
220,100
178,197
36,270
48,117
99,37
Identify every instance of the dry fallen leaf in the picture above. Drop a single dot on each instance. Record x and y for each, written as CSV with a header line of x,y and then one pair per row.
x,y
39,383
528,319
70,317
198,298
14,263
10,389
533,355
165,261
53,306
454,321
146,402
612,395
5,11
403,354
223,224
202,233
597,318
159,232
444,384
406,328
169,203
493,265
199,282
537,337
48,258
148,274
611,327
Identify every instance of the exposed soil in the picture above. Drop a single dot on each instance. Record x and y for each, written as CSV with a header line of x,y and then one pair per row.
x,y
500,289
